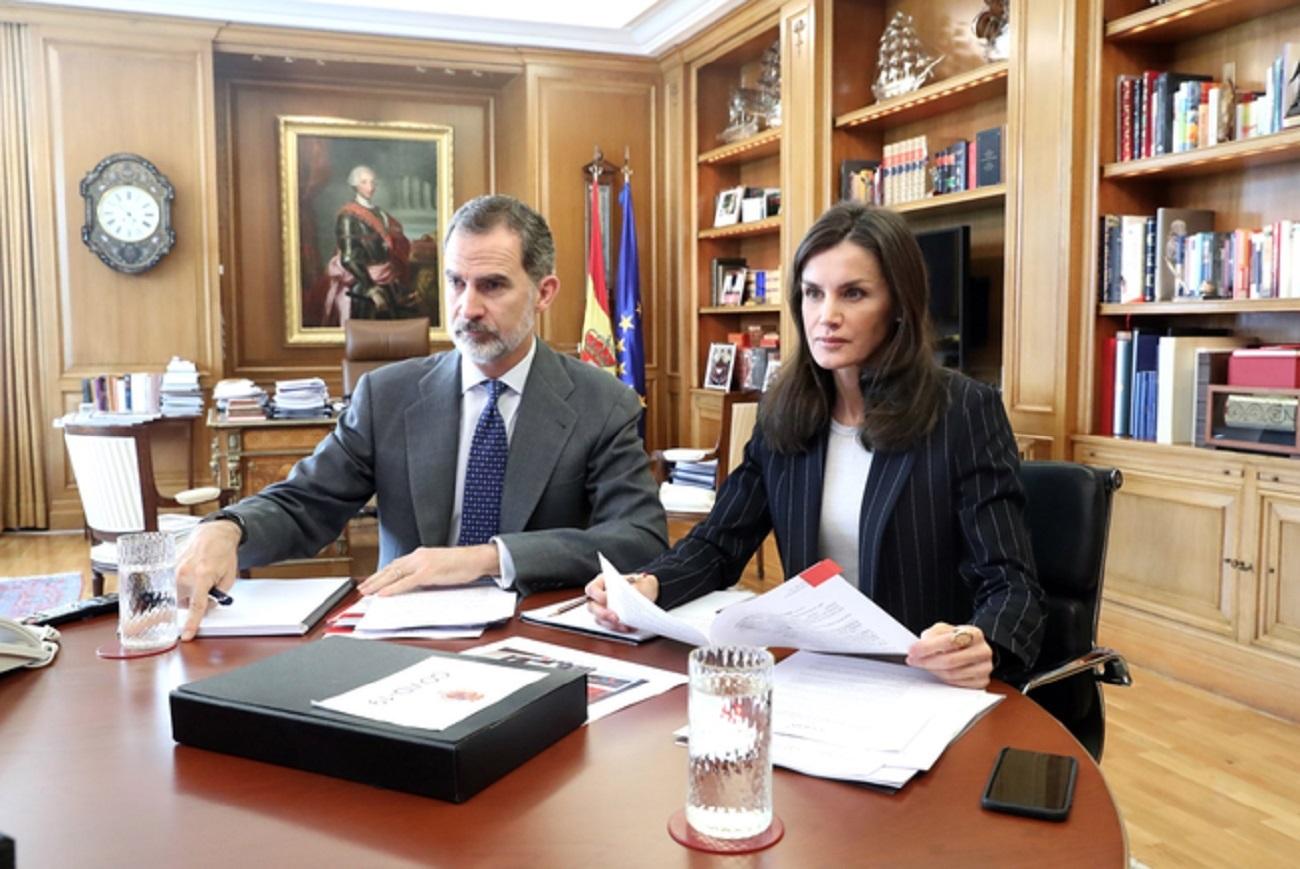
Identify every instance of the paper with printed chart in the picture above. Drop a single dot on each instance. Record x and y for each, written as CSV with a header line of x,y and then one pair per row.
x,y
816,611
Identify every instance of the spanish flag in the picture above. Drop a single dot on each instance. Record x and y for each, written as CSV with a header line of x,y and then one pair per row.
x,y
597,330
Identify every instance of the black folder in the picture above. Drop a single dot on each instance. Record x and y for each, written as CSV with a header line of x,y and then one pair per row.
x,y
263,711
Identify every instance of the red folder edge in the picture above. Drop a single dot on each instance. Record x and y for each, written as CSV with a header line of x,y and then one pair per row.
x,y
820,572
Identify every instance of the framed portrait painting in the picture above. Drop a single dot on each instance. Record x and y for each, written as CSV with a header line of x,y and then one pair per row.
x,y
364,209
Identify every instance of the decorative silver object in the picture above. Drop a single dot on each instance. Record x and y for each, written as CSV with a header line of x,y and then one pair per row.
x,y
993,29
753,109
903,65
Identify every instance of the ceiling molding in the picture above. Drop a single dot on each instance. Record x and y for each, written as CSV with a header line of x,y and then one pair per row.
x,y
661,26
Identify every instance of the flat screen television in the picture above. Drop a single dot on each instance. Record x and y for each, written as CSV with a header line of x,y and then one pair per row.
x,y
947,266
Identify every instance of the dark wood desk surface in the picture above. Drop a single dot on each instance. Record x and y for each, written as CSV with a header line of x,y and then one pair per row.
x,y
90,776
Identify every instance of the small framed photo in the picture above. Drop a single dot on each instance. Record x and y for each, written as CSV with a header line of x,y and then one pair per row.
x,y
727,212
722,361
769,373
733,285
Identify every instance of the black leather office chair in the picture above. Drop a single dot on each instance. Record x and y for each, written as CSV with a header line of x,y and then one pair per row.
x,y
1068,514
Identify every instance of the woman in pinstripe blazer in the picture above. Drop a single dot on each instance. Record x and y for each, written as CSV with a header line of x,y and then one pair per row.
x,y
868,452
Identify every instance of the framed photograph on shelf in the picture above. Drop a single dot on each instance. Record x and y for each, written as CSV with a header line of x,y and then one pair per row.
x,y
770,372
721,362
733,285
364,207
727,211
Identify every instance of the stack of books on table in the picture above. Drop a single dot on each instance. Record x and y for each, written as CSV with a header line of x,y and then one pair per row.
x,y
304,398
180,391
240,399
689,487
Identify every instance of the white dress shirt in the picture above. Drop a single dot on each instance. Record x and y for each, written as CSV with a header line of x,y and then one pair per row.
x,y
473,398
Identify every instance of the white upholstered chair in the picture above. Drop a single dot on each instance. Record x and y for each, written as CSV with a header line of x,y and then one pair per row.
x,y
113,466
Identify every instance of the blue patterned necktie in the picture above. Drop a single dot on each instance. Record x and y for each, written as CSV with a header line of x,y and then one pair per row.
x,y
485,474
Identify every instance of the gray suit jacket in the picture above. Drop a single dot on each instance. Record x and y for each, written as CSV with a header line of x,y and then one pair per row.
x,y
577,477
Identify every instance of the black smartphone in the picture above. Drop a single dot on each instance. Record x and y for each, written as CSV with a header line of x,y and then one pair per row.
x,y
1031,783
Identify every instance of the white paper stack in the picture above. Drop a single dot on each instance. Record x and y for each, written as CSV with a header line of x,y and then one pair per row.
x,y
180,393
439,613
862,720
305,397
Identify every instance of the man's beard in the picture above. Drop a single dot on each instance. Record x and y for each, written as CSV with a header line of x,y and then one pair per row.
x,y
484,345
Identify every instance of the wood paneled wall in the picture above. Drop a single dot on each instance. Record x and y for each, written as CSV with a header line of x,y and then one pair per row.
x,y
100,87
252,253
201,102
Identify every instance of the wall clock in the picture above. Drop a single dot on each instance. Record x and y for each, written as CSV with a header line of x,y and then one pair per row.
x,y
128,213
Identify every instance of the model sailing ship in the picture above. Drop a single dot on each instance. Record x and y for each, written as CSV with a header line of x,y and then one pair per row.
x,y
904,64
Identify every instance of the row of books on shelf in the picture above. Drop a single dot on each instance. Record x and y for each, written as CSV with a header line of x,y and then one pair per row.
x,y
1157,387
1166,112
1176,255
734,283
910,172
172,392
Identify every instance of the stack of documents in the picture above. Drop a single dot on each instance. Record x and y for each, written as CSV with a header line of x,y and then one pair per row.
x,y
180,394
438,614
817,610
240,398
861,720
273,607
305,397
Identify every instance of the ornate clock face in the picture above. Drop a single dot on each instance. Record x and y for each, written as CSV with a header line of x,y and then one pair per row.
x,y
128,213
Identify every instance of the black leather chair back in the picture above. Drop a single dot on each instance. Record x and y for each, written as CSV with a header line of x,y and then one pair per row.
x,y
1067,511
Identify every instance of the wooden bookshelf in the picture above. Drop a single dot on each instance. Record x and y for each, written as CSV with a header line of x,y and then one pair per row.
x,y
767,226
1206,587
1184,19
963,89
764,144
1281,147
733,310
1200,308
952,203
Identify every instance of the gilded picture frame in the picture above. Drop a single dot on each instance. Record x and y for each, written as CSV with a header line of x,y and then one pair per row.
x,y
364,209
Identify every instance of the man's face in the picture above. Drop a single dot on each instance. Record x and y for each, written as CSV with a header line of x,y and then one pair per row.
x,y
492,302
366,184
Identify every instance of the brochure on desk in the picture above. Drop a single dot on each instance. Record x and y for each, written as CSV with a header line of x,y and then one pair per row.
x,y
264,712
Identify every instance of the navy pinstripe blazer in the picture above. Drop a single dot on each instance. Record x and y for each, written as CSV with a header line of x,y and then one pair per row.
x,y
942,527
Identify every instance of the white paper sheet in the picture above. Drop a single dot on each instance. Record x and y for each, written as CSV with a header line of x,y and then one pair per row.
x,y
458,606
832,616
637,611
612,684
433,694
699,612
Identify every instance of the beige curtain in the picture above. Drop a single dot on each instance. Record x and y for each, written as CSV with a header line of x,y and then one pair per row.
x,y
22,452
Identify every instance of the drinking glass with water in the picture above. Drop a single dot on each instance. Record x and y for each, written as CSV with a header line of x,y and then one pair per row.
x,y
146,589
729,784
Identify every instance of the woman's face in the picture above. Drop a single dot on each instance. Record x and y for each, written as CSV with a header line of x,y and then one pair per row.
x,y
848,310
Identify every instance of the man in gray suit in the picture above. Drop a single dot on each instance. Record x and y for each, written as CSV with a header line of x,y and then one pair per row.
x,y
576,479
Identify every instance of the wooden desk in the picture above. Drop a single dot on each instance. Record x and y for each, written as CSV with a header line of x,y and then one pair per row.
x,y
250,454
92,778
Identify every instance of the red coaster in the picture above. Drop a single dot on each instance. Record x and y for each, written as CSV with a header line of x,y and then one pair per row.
x,y
684,834
115,649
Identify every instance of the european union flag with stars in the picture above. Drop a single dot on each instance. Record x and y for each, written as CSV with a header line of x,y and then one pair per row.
x,y
628,338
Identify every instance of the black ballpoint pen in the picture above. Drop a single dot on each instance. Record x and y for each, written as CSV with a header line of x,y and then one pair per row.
x,y
220,596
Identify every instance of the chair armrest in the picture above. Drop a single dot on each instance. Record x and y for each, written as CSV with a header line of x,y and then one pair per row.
x,y
190,497
1114,670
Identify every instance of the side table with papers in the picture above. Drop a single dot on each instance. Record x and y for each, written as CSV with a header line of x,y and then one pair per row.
x,y
250,454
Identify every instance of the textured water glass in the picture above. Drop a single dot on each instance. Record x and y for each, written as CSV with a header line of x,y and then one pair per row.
x,y
729,782
146,591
